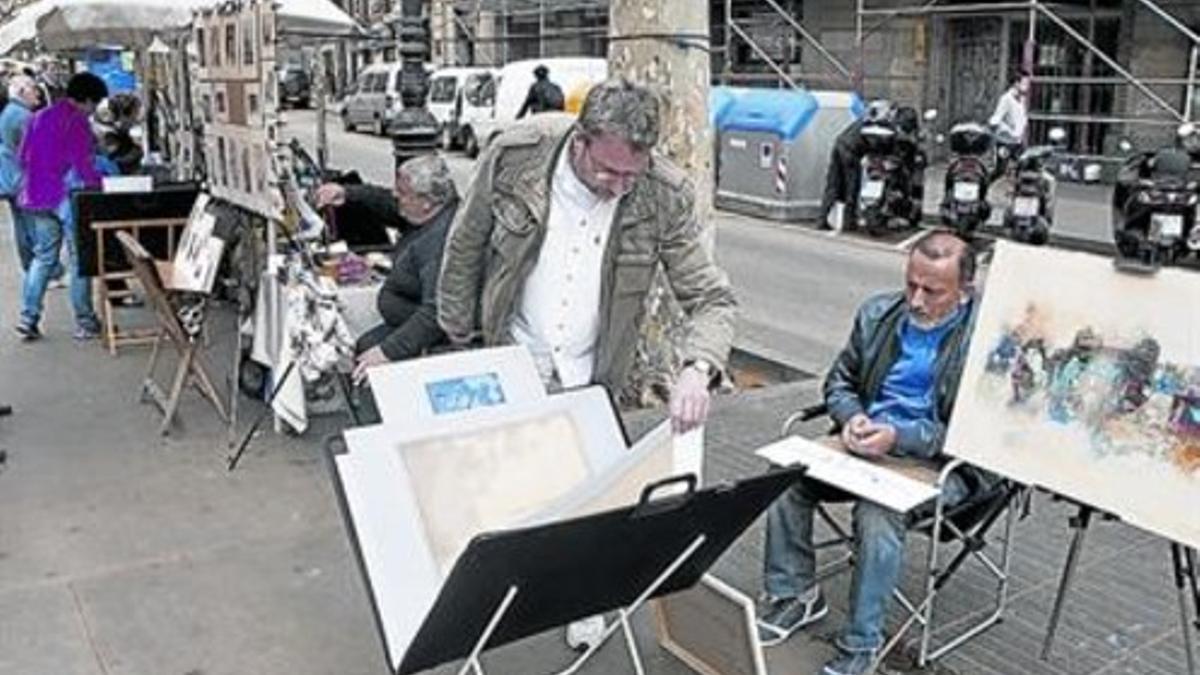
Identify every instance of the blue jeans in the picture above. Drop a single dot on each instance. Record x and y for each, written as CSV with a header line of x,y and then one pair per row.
x,y
46,238
23,238
790,565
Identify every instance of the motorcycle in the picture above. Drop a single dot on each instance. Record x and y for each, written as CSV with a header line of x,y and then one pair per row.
x,y
1030,213
891,188
1154,208
965,204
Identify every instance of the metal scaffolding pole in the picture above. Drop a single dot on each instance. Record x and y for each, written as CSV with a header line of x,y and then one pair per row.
x,y
763,55
1111,62
799,28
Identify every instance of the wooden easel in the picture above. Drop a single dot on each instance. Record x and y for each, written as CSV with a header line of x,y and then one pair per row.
x,y
112,336
192,363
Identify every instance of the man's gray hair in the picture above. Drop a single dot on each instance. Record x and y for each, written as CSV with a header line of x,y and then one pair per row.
x,y
429,177
18,84
939,244
618,106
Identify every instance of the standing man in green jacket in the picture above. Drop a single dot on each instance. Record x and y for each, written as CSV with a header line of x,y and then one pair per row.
x,y
557,242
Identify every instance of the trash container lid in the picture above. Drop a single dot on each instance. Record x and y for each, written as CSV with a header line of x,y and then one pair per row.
x,y
783,113
720,101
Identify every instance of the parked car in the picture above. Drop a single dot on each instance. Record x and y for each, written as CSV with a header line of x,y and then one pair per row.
x,y
295,87
446,89
499,99
375,100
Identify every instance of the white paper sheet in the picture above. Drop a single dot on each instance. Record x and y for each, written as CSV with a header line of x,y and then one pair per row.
x,y
858,476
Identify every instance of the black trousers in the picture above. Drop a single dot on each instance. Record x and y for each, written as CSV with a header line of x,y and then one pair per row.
x,y
841,183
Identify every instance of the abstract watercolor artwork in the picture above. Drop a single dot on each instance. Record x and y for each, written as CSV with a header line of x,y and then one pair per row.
x,y
1086,381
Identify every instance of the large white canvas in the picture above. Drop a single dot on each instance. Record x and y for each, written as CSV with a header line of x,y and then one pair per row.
x,y
1086,381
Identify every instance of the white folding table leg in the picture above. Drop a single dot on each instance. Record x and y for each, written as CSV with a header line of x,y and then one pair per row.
x,y
473,660
641,600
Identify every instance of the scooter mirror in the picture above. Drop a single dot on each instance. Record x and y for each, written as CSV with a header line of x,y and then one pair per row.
x,y
939,139
1186,129
1125,145
931,115
1058,135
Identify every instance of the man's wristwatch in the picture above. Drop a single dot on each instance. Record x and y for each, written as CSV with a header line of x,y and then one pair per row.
x,y
708,370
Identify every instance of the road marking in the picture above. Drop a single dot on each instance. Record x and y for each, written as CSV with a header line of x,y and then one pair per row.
x,y
908,243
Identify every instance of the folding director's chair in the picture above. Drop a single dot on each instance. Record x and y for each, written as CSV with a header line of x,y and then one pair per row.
x,y
965,526
192,364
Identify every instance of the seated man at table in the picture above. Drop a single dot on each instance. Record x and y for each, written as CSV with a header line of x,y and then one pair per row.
x,y
890,392
427,199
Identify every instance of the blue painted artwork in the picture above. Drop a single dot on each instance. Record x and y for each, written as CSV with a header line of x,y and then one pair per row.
x,y
464,393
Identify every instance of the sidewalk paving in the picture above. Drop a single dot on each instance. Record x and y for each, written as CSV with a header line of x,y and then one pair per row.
x,y
124,553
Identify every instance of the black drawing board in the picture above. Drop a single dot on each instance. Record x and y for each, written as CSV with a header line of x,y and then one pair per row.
x,y
571,569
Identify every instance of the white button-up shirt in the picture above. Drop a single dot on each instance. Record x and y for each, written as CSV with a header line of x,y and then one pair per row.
x,y
559,316
1011,116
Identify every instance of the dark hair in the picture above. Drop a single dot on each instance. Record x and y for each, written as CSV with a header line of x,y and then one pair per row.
x,y
86,88
938,244
541,72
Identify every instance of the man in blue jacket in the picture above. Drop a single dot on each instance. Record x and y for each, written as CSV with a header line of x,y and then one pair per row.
x,y
24,97
890,391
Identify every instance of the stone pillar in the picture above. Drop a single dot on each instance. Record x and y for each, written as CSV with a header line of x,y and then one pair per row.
x,y
663,44
680,69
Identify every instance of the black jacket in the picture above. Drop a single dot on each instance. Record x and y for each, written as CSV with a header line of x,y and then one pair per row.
x,y
363,220
543,96
408,299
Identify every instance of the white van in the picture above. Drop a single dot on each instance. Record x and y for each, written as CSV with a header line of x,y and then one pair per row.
x,y
375,99
445,101
494,104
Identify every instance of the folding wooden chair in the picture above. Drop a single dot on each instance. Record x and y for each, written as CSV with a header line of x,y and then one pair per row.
x,y
192,364
965,524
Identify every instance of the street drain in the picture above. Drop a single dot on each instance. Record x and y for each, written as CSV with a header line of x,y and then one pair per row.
x,y
752,371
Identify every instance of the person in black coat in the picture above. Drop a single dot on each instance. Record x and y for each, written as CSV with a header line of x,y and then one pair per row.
x,y
543,96
427,200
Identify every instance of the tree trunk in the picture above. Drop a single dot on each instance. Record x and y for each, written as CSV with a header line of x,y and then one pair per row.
x,y
664,44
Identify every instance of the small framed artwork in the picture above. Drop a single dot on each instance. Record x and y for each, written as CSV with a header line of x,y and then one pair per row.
x,y
249,46
266,29
254,111
214,50
232,63
247,176
222,172
465,392
270,87
220,103
201,40
235,169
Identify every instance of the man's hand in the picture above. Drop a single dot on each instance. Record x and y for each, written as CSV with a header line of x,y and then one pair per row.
x,y
689,400
331,194
368,359
868,439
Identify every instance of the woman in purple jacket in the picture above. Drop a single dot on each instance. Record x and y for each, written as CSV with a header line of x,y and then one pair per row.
x,y
58,143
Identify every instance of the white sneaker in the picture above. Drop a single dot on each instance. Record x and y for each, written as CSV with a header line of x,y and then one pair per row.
x,y
586,633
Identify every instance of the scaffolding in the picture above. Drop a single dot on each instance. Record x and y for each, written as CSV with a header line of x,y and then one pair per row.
x,y
768,42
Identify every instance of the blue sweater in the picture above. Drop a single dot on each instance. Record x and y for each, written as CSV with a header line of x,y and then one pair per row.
x,y
906,397
13,122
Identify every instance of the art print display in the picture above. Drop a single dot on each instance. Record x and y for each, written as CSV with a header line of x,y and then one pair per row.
x,y
464,393
477,482
235,88
1088,385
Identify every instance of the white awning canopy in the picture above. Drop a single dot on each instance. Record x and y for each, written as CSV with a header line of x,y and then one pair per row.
x,y
66,25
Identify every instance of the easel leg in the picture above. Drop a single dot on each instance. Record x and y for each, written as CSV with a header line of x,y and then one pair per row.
x,y
237,454
1080,524
181,375
1185,585
631,643
473,660
641,600
235,380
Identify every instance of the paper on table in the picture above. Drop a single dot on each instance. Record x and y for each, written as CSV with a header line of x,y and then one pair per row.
x,y
869,480
689,453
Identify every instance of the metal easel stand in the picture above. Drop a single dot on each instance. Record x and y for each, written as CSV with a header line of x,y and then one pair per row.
x,y
1187,585
473,665
1184,562
1080,523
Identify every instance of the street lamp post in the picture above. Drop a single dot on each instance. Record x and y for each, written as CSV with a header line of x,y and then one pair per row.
x,y
414,129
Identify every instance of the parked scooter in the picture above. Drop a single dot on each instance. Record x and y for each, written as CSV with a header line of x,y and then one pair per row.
x,y
892,186
1030,213
1155,203
965,204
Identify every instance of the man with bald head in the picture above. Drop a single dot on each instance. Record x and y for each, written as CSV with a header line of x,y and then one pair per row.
x,y
890,392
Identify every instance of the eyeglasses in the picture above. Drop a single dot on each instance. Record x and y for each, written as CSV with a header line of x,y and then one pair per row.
x,y
618,180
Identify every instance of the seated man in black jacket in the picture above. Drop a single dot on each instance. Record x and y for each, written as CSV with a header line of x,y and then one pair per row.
x,y
427,199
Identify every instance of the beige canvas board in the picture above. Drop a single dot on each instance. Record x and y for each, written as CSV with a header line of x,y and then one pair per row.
x,y
492,478
1086,381
711,628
